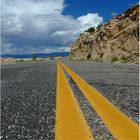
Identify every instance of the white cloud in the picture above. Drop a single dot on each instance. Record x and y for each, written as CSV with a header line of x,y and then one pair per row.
x,y
32,7
40,25
58,49
90,20
63,49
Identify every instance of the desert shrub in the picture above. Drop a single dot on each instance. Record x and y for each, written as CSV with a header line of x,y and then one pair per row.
x,y
124,60
40,59
99,26
88,56
104,46
34,58
21,60
91,30
113,58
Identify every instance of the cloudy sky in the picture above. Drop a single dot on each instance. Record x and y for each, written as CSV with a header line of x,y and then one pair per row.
x,y
44,26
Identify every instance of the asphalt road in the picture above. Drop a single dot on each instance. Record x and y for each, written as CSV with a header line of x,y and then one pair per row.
x,y
119,83
28,96
28,101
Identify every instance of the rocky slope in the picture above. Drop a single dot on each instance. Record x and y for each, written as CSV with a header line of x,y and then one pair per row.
x,y
115,41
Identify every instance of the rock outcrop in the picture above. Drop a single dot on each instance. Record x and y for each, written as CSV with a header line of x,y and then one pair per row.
x,y
115,41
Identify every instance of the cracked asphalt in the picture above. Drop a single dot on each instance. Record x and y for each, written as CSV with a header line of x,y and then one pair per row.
x,y
28,96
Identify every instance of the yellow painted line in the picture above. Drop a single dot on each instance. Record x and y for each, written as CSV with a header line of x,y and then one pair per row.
x,y
121,127
70,122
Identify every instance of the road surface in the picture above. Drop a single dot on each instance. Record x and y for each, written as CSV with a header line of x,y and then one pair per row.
x,y
28,97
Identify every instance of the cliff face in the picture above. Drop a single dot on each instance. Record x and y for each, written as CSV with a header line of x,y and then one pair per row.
x,y
117,40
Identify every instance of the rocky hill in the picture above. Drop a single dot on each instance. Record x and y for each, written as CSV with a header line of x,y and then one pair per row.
x,y
115,41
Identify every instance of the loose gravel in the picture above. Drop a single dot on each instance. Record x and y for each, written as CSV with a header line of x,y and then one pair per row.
x,y
28,101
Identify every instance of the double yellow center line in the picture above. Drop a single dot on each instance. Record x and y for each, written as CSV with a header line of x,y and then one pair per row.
x,y
70,122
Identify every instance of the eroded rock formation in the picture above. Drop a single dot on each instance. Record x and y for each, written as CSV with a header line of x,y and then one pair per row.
x,y
116,40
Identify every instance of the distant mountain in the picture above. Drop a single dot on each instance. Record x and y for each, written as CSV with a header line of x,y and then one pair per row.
x,y
40,55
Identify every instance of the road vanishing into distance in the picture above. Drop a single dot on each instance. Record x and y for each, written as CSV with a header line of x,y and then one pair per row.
x,y
69,100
